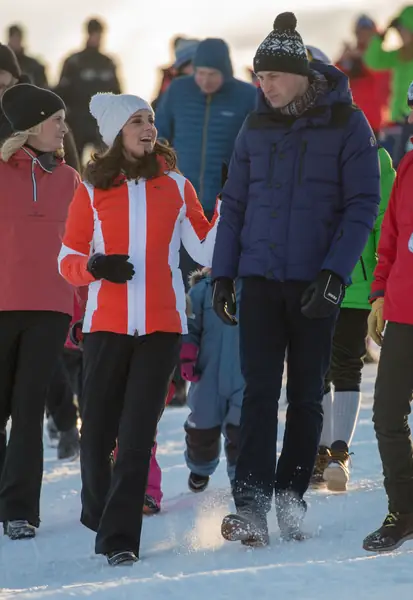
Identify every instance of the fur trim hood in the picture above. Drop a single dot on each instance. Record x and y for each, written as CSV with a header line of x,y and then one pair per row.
x,y
196,276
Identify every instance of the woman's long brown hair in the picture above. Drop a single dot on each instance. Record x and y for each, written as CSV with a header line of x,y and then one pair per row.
x,y
104,168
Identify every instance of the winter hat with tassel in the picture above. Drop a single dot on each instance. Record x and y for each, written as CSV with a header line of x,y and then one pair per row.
x,y
112,111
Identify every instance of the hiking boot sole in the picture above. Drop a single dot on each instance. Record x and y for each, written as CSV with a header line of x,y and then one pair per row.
x,y
236,529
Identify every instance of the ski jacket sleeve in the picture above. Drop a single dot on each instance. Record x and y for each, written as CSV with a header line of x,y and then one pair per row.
x,y
232,211
360,176
379,59
164,118
387,177
197,233
197,297
77,239
387,249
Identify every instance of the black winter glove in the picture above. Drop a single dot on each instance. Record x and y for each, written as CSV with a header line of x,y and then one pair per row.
x,y
323,297
112,267
223,300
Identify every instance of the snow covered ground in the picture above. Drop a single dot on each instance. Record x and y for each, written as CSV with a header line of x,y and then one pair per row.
x,y
183,555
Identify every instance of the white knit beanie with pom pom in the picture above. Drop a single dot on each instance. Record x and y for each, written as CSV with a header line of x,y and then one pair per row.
x,y
112,111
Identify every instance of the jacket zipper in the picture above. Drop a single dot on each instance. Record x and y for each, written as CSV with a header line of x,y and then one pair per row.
x,y
301,161
203,148
363,267
271,165
34,181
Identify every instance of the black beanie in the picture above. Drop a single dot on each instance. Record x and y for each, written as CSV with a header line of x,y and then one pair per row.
x,y
26,105
8,61
283,49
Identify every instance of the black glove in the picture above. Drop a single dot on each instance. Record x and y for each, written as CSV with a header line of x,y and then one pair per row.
x,y
76,334
323,297
223,300
112,267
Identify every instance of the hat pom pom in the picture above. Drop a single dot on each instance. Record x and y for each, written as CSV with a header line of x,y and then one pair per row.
x,y
98,104
285,21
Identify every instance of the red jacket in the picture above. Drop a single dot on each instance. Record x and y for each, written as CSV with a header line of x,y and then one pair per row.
x,y
370,92
34,197
393,276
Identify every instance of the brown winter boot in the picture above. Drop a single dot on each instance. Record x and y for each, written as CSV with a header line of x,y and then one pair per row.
x,y
397,528
321,463
337,472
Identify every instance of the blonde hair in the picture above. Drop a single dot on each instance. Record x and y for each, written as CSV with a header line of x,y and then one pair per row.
x,y
16,141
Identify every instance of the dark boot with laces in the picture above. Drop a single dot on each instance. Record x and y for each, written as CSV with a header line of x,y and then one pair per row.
x,y
247,526
397,528
19,529
291,510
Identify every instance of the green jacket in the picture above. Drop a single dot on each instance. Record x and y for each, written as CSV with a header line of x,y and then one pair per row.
x,y
357,293
379,59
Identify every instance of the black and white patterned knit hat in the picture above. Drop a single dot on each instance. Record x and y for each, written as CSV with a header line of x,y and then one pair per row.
x,y
283,49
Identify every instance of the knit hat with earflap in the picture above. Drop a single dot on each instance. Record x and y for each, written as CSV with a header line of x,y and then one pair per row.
x,y
283,49
112,111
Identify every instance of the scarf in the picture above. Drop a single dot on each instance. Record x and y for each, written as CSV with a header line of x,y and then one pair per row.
x,y
298,106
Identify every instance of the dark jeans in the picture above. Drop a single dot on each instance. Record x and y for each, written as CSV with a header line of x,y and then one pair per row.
x,y
65,383
270,322
125,384
392,406
30,345
349,350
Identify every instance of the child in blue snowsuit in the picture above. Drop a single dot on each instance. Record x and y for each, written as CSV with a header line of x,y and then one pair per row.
x,y
210,361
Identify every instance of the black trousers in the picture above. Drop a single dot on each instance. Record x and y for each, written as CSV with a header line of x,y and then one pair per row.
x,y
349,350
66,382
270,322
30,345
125,384
392,406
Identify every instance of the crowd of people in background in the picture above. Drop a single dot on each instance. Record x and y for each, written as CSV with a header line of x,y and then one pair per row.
x,y
260,221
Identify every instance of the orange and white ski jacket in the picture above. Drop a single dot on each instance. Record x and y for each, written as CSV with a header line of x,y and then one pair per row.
x,y
146,220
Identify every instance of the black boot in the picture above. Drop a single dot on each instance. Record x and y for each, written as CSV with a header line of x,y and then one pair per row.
x,y
19,530
290,515
197,483
124,558
246,526
396,530
69,445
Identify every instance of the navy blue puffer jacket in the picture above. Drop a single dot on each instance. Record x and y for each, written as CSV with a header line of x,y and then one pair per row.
x,y
302,194
203,128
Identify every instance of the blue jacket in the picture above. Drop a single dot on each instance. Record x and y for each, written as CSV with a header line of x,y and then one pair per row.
x,y
221,386
302,194
203,128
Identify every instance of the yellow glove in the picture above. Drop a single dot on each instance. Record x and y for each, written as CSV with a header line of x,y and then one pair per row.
x,y
376,322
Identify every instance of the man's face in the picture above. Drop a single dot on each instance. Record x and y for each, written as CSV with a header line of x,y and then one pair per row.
x,y
6,81
281,88
208,80
15,42
364,35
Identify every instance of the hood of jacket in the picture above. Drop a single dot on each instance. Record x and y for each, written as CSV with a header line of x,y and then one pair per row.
x,y
213,53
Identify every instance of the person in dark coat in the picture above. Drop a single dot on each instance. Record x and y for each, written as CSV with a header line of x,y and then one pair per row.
x,y
11,74
84,74
29,66
301,198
